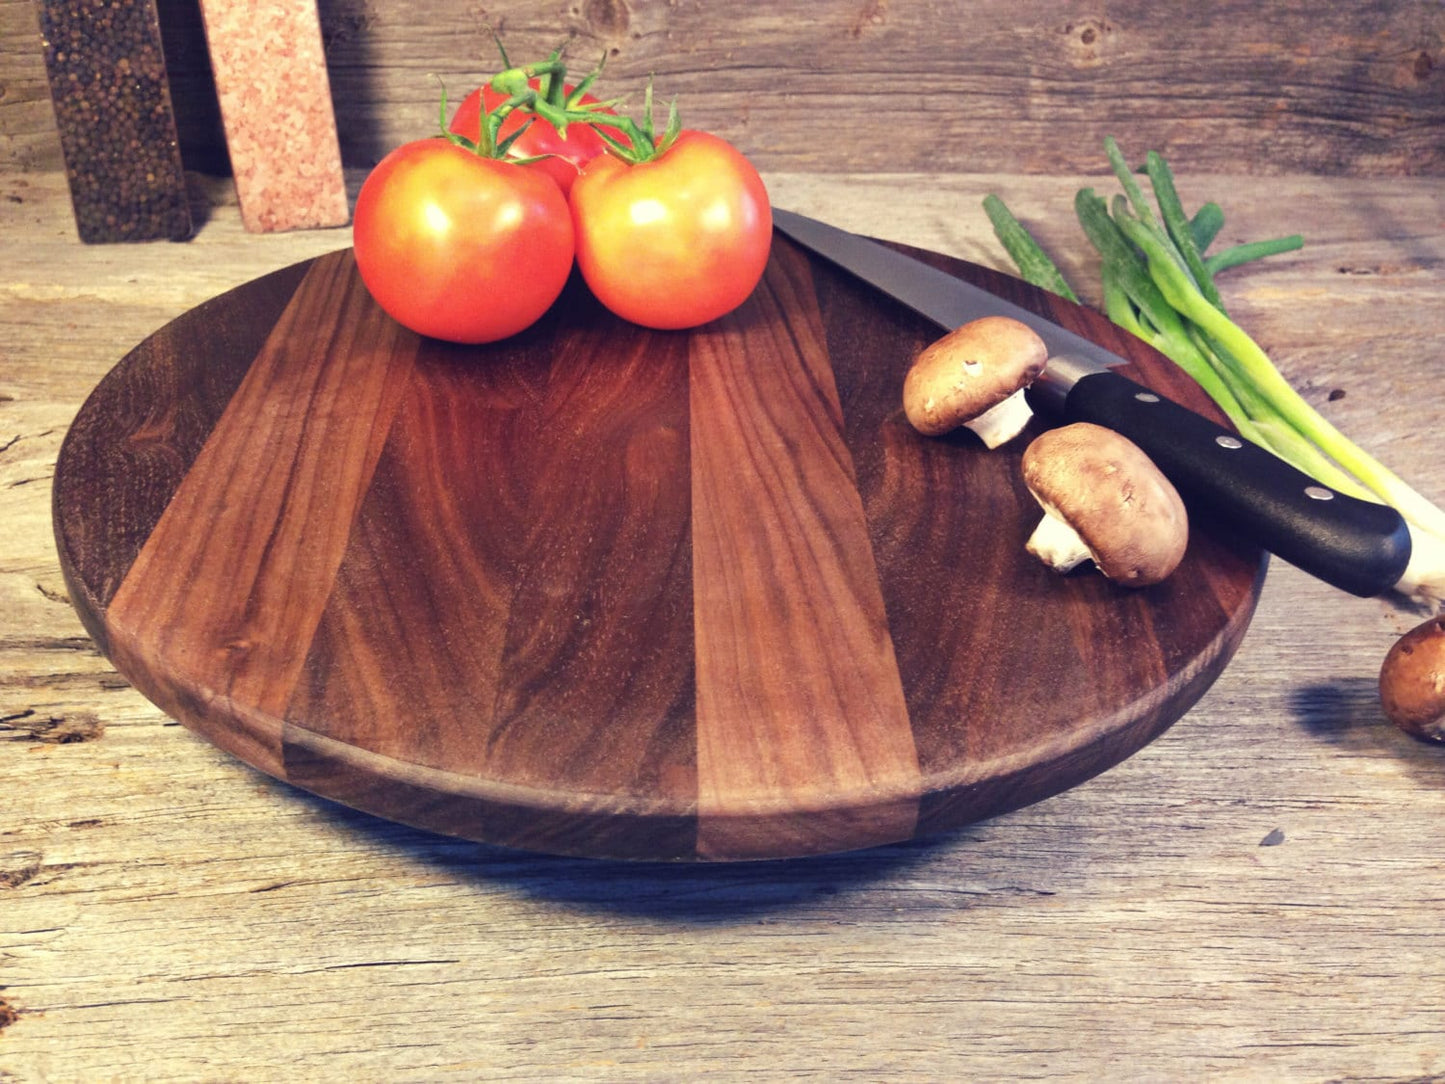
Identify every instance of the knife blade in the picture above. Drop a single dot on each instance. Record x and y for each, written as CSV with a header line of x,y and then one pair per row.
x,y
1356,545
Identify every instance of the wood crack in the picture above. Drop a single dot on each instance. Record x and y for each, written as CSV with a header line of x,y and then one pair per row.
x,y
30,725
380,963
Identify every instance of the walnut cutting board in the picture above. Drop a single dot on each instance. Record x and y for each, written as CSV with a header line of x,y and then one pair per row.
x,y
606,591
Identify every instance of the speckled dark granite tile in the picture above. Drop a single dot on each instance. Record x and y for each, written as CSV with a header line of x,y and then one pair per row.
x,y
117,128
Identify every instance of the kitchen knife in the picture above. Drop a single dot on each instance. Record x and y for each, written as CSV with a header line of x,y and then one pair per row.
x,y
1358,546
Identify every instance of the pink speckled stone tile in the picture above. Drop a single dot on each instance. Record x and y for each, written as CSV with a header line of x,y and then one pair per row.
x,y
276,107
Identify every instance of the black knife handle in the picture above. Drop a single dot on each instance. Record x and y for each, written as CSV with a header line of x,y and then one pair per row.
x,y
1358,546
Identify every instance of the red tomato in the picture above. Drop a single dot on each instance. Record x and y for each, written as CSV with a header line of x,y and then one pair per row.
x,y
459,246
675,241
567,154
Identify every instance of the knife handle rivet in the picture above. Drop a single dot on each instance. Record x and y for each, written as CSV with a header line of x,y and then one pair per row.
x,y
1232,443
1146,397
1319,493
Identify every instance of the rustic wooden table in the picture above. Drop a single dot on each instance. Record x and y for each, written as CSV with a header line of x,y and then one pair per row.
x,y
1255,895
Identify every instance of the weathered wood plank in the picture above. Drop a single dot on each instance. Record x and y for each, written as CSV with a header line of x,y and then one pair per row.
x,y
1010,86
1031,87
29,138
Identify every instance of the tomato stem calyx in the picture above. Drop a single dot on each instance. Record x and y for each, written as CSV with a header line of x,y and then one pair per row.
x,y
550,99
540,89
488,145
639,141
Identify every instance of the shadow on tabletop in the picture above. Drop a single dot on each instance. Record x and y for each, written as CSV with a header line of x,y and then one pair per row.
x,y
695,892
1346,713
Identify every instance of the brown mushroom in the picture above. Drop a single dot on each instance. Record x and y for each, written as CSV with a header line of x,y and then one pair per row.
x,y
1104,500
975,376
1412,681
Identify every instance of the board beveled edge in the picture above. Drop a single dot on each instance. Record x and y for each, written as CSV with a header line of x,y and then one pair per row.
x,y
601,827
487,811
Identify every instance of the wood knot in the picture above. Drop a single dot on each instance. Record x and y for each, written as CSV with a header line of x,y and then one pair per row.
x,y
18,868
1424,65
607,18
874,13
1087,40
339,27
238,648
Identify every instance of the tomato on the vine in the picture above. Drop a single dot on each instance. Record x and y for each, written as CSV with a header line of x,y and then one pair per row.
x,y
459,245
561,156
676,239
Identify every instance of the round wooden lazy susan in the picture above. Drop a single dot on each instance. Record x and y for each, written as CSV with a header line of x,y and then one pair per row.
x,y
606,591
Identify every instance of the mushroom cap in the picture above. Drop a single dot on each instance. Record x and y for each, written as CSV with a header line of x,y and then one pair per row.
x,y
1103,485
1412,681
969,370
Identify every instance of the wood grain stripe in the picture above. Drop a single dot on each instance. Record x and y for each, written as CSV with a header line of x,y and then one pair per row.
x,y
798,694
515,603
128,458
217,613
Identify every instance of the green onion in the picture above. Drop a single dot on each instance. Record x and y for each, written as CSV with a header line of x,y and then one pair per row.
x,y
1158,284
1206,224
1254,250
1032,261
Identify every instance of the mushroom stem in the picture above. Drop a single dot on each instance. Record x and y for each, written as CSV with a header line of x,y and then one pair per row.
x,y
1003,421
1057,544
